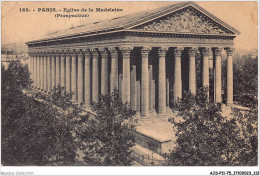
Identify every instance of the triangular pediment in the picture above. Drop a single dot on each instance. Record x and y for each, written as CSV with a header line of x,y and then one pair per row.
x,y
186,20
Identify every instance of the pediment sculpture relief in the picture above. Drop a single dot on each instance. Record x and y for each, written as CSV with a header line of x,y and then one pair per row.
x,y
185,21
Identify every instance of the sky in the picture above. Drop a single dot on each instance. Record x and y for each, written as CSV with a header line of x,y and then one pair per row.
x,y
20,27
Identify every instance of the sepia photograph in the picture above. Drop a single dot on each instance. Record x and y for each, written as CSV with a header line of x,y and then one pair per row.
x,y
129,83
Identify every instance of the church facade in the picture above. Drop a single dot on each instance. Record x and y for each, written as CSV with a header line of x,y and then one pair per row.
x,y
150,57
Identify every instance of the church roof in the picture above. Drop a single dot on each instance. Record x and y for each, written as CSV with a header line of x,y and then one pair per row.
x,y
127,22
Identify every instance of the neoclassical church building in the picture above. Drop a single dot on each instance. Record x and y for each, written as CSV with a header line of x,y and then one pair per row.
x,y
150,57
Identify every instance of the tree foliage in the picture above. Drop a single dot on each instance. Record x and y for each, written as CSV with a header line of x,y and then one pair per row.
x,y
206,138
33,132
106,139
245,81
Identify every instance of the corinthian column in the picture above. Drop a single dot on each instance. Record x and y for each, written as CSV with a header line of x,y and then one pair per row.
x,y
57,69
80,77
104,71
30,65
177,74
53,70
88,75
133,88
192,69
45,72
41,73
36,56
62,70
218,91
145,82
162,82
74,75
49,73
68,72
230,52
95,75
126,74
205,70
150,70
114,69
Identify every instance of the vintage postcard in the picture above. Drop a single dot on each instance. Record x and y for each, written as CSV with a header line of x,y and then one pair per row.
x,y
129,83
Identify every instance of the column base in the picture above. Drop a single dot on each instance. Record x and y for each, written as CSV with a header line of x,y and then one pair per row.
x,y
229,103
161,115
145,117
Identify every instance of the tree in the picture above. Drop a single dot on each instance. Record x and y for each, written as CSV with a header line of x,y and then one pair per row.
x,y
245,76
106,138
33,132
206,138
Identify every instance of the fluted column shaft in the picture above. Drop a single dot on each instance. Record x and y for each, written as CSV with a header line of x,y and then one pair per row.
x,y
162,82
205,70
133,88
150,70
35,70
68,72
74,76
114,69
88,74
62,70
45,73
95,75
126,74
41,73
145,83
53,71
104,71
177,74
57,80
49,73
230,75
30,65
80,78
138,96
192,70
218,91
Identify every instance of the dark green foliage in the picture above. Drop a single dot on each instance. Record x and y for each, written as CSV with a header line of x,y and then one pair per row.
x,y
106,138
245,76
246,82
206,138
33,132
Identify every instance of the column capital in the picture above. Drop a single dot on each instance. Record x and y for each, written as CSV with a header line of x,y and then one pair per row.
x,y
72,52
218,51
145,51
113,51
48,53
177,51
79,52
206,52
230,51
61,53
87,52
56,53
94,52
162,51
37,53
66,52
192,52
126,50
103,52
